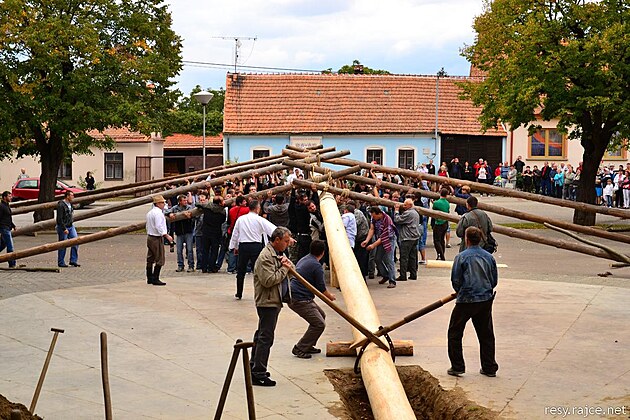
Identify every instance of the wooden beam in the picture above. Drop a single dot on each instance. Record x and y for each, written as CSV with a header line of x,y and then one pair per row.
x,y
343,349
517,214
173,178
625,214
515,233
385,391
122,205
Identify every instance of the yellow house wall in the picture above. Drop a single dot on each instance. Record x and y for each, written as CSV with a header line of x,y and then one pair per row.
x,y
10,168
519,146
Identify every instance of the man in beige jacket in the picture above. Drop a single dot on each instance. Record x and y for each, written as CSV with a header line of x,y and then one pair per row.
x,y
270,285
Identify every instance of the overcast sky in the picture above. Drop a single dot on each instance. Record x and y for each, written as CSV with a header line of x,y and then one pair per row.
x,y
401,36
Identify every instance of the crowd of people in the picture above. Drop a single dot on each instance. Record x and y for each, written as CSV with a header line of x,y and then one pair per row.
x,y
279,232
559,180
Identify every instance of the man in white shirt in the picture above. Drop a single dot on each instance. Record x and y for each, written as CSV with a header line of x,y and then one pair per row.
x,y
157,232
350,223
248,238
292,176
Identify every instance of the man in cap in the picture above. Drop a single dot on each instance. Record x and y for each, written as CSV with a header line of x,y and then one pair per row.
x,y
157,232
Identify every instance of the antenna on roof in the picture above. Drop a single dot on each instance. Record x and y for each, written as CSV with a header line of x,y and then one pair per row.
x,y
237,45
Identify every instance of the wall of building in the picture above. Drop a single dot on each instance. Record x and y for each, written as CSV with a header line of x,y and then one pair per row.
x,y
518,144
81,164
241,148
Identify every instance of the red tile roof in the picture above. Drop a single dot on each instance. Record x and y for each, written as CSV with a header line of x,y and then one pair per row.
x,y
346,104
189,141
121,135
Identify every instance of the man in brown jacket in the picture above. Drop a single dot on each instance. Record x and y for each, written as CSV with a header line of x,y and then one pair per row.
x,y
270,285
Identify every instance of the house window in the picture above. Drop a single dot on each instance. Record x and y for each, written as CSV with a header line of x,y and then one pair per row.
x,y
547,143
406,159
65,170
619,154
260,153
374,155
113,166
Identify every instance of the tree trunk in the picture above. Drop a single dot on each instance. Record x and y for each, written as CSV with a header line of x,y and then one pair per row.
x,y
51,155
593,154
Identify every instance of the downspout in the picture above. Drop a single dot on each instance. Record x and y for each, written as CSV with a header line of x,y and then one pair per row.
x,y
440,73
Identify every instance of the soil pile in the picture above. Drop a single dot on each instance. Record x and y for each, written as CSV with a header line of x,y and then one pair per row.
x,y
6,406
428,399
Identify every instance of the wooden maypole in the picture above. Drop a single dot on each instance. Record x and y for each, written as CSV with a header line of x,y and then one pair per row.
x,y
384,389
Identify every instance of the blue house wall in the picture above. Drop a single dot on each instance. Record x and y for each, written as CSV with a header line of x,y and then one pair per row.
x,y
241,148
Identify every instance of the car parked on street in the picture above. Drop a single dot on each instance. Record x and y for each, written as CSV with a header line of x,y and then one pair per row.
x,y
28,189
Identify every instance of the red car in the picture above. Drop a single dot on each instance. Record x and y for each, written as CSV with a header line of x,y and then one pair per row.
x,y
28,188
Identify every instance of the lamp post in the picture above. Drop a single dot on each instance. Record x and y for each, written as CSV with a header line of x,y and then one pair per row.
x,y
203,98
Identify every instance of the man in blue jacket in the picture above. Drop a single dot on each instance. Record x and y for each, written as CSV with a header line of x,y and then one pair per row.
x,y
474,276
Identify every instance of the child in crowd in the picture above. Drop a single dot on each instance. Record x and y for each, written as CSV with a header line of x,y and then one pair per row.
x,y
608,192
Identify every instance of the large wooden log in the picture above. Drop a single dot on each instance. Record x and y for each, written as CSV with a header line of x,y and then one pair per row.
x,y
386,393
515,233
343,349
50,224
179,178
517,214
625,214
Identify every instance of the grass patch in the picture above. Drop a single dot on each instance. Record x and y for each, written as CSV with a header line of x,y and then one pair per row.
x,y
523,225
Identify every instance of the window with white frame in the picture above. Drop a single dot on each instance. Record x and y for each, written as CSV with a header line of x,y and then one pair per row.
x,y
260,153
406,158
374,155
113,166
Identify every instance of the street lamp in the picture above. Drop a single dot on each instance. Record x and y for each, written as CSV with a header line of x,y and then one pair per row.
x,y
203,98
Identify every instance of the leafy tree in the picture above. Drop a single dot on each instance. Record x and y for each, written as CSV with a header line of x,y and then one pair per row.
x,y
566,59
352,68
187,116
68,67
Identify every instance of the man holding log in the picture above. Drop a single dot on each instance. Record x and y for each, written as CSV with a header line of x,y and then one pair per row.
x,y
270,284
474,276
250,231
157,233
382,228
303,303
477,218
408,222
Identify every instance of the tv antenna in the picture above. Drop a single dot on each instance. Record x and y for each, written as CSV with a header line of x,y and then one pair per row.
x,y
237,45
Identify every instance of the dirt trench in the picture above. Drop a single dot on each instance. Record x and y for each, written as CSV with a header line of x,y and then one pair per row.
x,y
7,406
428,399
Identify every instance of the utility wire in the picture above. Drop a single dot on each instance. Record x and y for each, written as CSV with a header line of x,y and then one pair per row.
x,y
224,65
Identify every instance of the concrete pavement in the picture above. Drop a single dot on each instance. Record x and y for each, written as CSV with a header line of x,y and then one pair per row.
x,y
558,344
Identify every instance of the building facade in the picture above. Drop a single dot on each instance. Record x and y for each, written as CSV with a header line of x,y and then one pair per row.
x,y
136,157
395,120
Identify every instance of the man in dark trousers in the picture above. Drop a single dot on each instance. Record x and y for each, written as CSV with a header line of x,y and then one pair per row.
x,y
474,276
270,283
248,237
408,223
65,230
301,219
6,225
303,303
211,233
183,230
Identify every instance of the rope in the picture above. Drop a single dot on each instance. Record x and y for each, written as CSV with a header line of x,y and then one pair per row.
x,y
345,193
